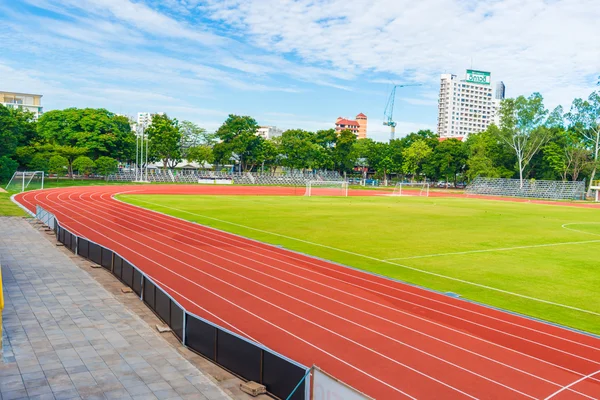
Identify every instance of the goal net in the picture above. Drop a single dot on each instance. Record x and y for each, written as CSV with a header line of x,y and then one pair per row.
x,y
411,189
26,180
326,188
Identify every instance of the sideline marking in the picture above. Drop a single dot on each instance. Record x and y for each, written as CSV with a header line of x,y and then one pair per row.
x,y
581,223
384,261
497,249
571,384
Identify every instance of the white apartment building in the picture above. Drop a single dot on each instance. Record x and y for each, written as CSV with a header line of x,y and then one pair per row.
x,y
269,132
145,118
467,105
23,101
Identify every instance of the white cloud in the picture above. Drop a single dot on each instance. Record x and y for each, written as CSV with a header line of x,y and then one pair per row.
x,y
534,45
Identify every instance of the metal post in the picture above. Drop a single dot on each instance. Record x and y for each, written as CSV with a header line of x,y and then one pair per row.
x,y
43,179
137,138
147,146
23,184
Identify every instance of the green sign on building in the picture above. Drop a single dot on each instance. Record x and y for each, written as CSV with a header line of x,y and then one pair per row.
x,y
481,77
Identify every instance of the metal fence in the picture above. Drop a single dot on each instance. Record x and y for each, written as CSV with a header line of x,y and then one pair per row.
x,y
246,359
555,190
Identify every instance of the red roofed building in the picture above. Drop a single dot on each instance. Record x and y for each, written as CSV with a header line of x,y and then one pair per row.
x,y
358,126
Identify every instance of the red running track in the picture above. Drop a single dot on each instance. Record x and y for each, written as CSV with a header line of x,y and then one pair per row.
x,y
387,339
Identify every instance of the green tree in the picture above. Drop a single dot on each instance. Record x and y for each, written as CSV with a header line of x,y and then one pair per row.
x,y
106,166
300,151
84,165
100,131
8,167
522,128
344,157
449,159
568,156
71,153
17,128
488,156
584,118
194,136
238,140
58,165
201,154
414,156
165,140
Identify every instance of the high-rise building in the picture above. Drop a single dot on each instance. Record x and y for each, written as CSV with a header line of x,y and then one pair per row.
x,y
269,132
145,118
466,105
358,126
23,101
500,91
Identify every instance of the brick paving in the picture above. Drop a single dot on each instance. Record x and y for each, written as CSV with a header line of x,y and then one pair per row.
x,y
69,332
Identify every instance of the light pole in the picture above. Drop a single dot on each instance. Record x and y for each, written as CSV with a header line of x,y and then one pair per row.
x,y
137,138
147,146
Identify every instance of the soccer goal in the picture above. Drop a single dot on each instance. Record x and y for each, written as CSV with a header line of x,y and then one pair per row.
x,y
326,188
411,189
26,180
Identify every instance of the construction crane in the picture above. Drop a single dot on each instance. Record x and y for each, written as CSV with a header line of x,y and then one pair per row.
x,y
388,114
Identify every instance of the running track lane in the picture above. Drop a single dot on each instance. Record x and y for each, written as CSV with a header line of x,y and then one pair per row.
x,y
385,338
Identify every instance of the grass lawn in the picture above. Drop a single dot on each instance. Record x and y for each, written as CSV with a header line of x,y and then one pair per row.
x,y
467,239
8,208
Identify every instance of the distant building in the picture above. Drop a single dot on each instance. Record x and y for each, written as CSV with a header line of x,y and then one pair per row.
x,y
500,91
358,126
23,101
467,105
269,132
145,118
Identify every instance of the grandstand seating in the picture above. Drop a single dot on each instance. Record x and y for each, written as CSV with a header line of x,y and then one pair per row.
x,y
556,190
295,178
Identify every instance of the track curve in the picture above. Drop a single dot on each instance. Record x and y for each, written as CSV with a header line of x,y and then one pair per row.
x,y
387,339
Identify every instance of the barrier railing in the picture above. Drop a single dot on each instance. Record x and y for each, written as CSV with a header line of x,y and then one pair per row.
x,y
283,378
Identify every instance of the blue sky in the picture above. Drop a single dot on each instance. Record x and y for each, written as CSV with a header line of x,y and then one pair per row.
x,y
294,64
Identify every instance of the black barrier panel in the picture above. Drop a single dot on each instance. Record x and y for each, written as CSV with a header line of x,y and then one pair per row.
x,y
61,236
117,266
127,275
137,282
177,320
239,356
68,238
200,336
281,377
95,253
163,306
107,258
73,246
83,248
149,293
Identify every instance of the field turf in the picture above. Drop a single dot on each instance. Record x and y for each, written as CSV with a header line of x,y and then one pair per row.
x,y
515,256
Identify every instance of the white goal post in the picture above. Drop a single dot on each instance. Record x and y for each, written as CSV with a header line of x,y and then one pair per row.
x,y
326,188
23,180
411,189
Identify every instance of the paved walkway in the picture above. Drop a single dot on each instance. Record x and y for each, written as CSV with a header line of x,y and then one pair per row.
x,y
67,337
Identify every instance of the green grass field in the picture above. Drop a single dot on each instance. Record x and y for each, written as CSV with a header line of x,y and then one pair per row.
x,y
480,241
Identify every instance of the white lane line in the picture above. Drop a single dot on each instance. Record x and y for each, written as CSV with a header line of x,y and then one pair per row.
x,y
161,228
252,295
159,214
572,384
382,261
494,250
233,304
291,255
167,228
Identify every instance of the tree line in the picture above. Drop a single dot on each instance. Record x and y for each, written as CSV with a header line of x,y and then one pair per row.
x,y
530,142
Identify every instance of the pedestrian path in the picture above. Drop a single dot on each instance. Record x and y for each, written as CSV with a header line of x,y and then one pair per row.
x,y
67,337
